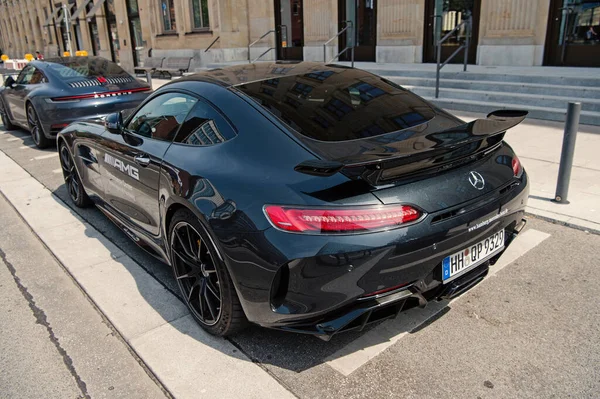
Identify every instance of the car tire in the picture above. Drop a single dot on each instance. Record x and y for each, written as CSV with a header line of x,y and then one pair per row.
x,y
202,277
5,119
35,127
74,187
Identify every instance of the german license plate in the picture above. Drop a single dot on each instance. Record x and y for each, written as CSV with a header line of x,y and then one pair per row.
x,y
460,262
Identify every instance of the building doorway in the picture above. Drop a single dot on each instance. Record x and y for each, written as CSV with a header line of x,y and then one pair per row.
x,y
362,15
289,29
441,16
573,37
135,30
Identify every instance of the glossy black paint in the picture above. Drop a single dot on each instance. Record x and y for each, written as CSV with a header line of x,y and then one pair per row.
x,y
301,282
48,85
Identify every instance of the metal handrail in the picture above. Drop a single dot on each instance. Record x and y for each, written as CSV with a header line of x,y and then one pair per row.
x,y
348,26
465,46
256,41
214,41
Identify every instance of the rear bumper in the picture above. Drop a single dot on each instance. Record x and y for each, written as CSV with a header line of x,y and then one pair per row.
x,y
368,311
61,113
320,283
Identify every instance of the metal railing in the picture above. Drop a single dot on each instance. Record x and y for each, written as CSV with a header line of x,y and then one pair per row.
x,y
258,40
351,48
467,23
213,42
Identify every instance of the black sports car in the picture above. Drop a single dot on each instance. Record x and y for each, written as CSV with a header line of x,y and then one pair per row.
x,y
305,197
50,94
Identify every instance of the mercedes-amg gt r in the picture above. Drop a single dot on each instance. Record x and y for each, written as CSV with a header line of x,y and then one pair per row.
x,y
304,197
48,95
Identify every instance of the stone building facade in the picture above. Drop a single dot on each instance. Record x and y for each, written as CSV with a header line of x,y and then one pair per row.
x,y
504,32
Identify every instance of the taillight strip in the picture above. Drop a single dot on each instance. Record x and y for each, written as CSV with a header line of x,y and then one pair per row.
x,y
340,220
102,95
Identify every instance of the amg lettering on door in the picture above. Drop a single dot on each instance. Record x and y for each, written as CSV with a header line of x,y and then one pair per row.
x,y
122,166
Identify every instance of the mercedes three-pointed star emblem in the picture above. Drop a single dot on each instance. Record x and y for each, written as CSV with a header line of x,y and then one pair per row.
x,y
476,180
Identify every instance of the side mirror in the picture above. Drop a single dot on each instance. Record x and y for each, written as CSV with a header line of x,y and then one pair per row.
x,y
9,82
114,123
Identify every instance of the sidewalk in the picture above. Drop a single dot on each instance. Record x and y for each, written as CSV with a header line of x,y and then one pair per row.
x,y
538,144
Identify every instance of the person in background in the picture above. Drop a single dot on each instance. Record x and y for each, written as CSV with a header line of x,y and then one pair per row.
x,y
591,34
39,56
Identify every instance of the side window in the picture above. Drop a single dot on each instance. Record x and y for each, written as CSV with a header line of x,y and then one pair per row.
x,y
37,77
160,117
204,126
25,76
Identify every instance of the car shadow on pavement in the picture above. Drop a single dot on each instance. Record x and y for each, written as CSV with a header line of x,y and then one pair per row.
x,y
26,140
290,351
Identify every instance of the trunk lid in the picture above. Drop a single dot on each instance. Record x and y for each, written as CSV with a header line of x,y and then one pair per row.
x,y
460,163
85,75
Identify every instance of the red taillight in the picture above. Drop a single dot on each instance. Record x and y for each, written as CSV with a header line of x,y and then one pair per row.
x,y
59,126
102,95
307,220
516,166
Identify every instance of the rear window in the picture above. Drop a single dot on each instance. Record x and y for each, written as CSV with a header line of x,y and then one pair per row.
x,y
85,67
339,105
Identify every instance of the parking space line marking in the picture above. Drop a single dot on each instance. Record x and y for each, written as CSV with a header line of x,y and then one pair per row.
x,y
358,352
59,170
54,154
16,138
27,146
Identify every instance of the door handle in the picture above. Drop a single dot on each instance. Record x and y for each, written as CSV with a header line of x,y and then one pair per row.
x,y
142,160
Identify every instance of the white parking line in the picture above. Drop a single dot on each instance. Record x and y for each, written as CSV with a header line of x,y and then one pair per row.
x,y
54,154
369,345
27,146
17,138
59,170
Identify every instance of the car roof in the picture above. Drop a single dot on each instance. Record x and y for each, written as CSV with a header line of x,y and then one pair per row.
x,y
245,73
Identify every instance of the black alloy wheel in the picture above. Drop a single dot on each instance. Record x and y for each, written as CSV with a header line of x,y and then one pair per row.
x,y
202,277
5,120
72,181
40,140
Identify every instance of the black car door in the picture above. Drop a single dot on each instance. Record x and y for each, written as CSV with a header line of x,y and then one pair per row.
x,y
15,96
131,161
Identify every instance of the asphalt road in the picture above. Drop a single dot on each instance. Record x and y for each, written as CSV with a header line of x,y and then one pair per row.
x,y
53,342
532,330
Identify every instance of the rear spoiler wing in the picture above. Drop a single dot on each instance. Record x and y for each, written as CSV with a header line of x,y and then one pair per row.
x,y
497,122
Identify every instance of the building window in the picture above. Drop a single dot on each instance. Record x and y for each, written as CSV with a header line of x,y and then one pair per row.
x,y
168,15
365,91
338,108
321,76
302,89
200,15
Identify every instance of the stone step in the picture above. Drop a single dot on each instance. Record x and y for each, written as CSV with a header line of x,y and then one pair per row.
x,y
535,112
523,100
580,92
546,78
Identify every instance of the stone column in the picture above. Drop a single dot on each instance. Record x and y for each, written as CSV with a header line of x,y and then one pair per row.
x,y
126,49
103,34
260,19
400,30
512,32
321,22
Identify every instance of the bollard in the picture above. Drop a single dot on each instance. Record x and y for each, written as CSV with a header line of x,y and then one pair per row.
x,y
149,77
568,150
